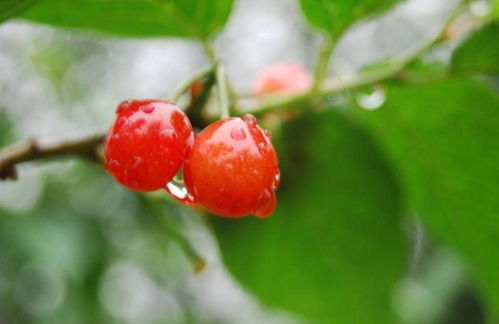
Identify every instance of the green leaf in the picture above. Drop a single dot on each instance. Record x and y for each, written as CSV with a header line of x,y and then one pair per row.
x,y
479,53
333,249
136,18
444,140
10,8
495,8
334,16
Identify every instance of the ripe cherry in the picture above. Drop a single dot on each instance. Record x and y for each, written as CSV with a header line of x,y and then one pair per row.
x,y
232,169
147,143
286,78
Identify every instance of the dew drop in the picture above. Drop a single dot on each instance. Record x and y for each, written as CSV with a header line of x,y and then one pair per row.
x,y
250,120
268,134
136,162
266,204
373,100
168,133
112,165
277,179
123,105
237,133
262,147
229,167
177,189
147,109
255,172
138,131
120,121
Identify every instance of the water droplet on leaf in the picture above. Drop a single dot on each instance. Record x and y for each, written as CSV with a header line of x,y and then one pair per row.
x,y
372,100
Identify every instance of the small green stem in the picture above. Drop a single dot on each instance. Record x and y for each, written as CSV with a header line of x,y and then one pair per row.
x,y
210,52
186,84
322,66
154,206
223,95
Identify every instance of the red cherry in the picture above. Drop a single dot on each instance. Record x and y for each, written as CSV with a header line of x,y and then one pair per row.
x,y
286,78
147,143
232,169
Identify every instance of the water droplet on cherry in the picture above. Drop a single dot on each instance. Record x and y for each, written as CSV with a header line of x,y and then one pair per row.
x,y
277,179
262,147
137,161
237,133
229,167
266,204
168,133
147,109
250,120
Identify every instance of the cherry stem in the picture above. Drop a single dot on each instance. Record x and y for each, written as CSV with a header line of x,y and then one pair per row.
x,y
187,83
223,96
157,209
322,67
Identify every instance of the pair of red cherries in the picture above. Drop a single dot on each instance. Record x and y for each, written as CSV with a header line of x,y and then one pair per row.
x,y
230,167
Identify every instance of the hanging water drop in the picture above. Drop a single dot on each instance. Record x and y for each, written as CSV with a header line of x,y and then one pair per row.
x,y
177,189
373,100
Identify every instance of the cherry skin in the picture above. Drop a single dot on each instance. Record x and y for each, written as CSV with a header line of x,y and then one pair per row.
x,y
232,169
285,78
147,143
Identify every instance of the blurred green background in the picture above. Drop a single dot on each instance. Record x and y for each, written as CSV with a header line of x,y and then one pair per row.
x,y
388,209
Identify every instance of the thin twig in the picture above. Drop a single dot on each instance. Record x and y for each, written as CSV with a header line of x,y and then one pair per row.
x,y
29,150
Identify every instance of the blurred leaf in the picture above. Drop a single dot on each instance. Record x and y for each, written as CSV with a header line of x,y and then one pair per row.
x,y
444,140
181,18
333,249
479,53
495,8
334,16
10,8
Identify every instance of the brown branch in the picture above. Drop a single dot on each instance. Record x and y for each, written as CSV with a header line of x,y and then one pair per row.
x,y
29,150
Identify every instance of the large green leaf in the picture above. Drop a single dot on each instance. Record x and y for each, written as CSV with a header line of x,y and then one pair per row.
x,y
334,16
10,8
444,140
333,249
182,18
479,53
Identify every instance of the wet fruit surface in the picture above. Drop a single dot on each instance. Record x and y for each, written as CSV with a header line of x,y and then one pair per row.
x,y
286,78
147,143
232,169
